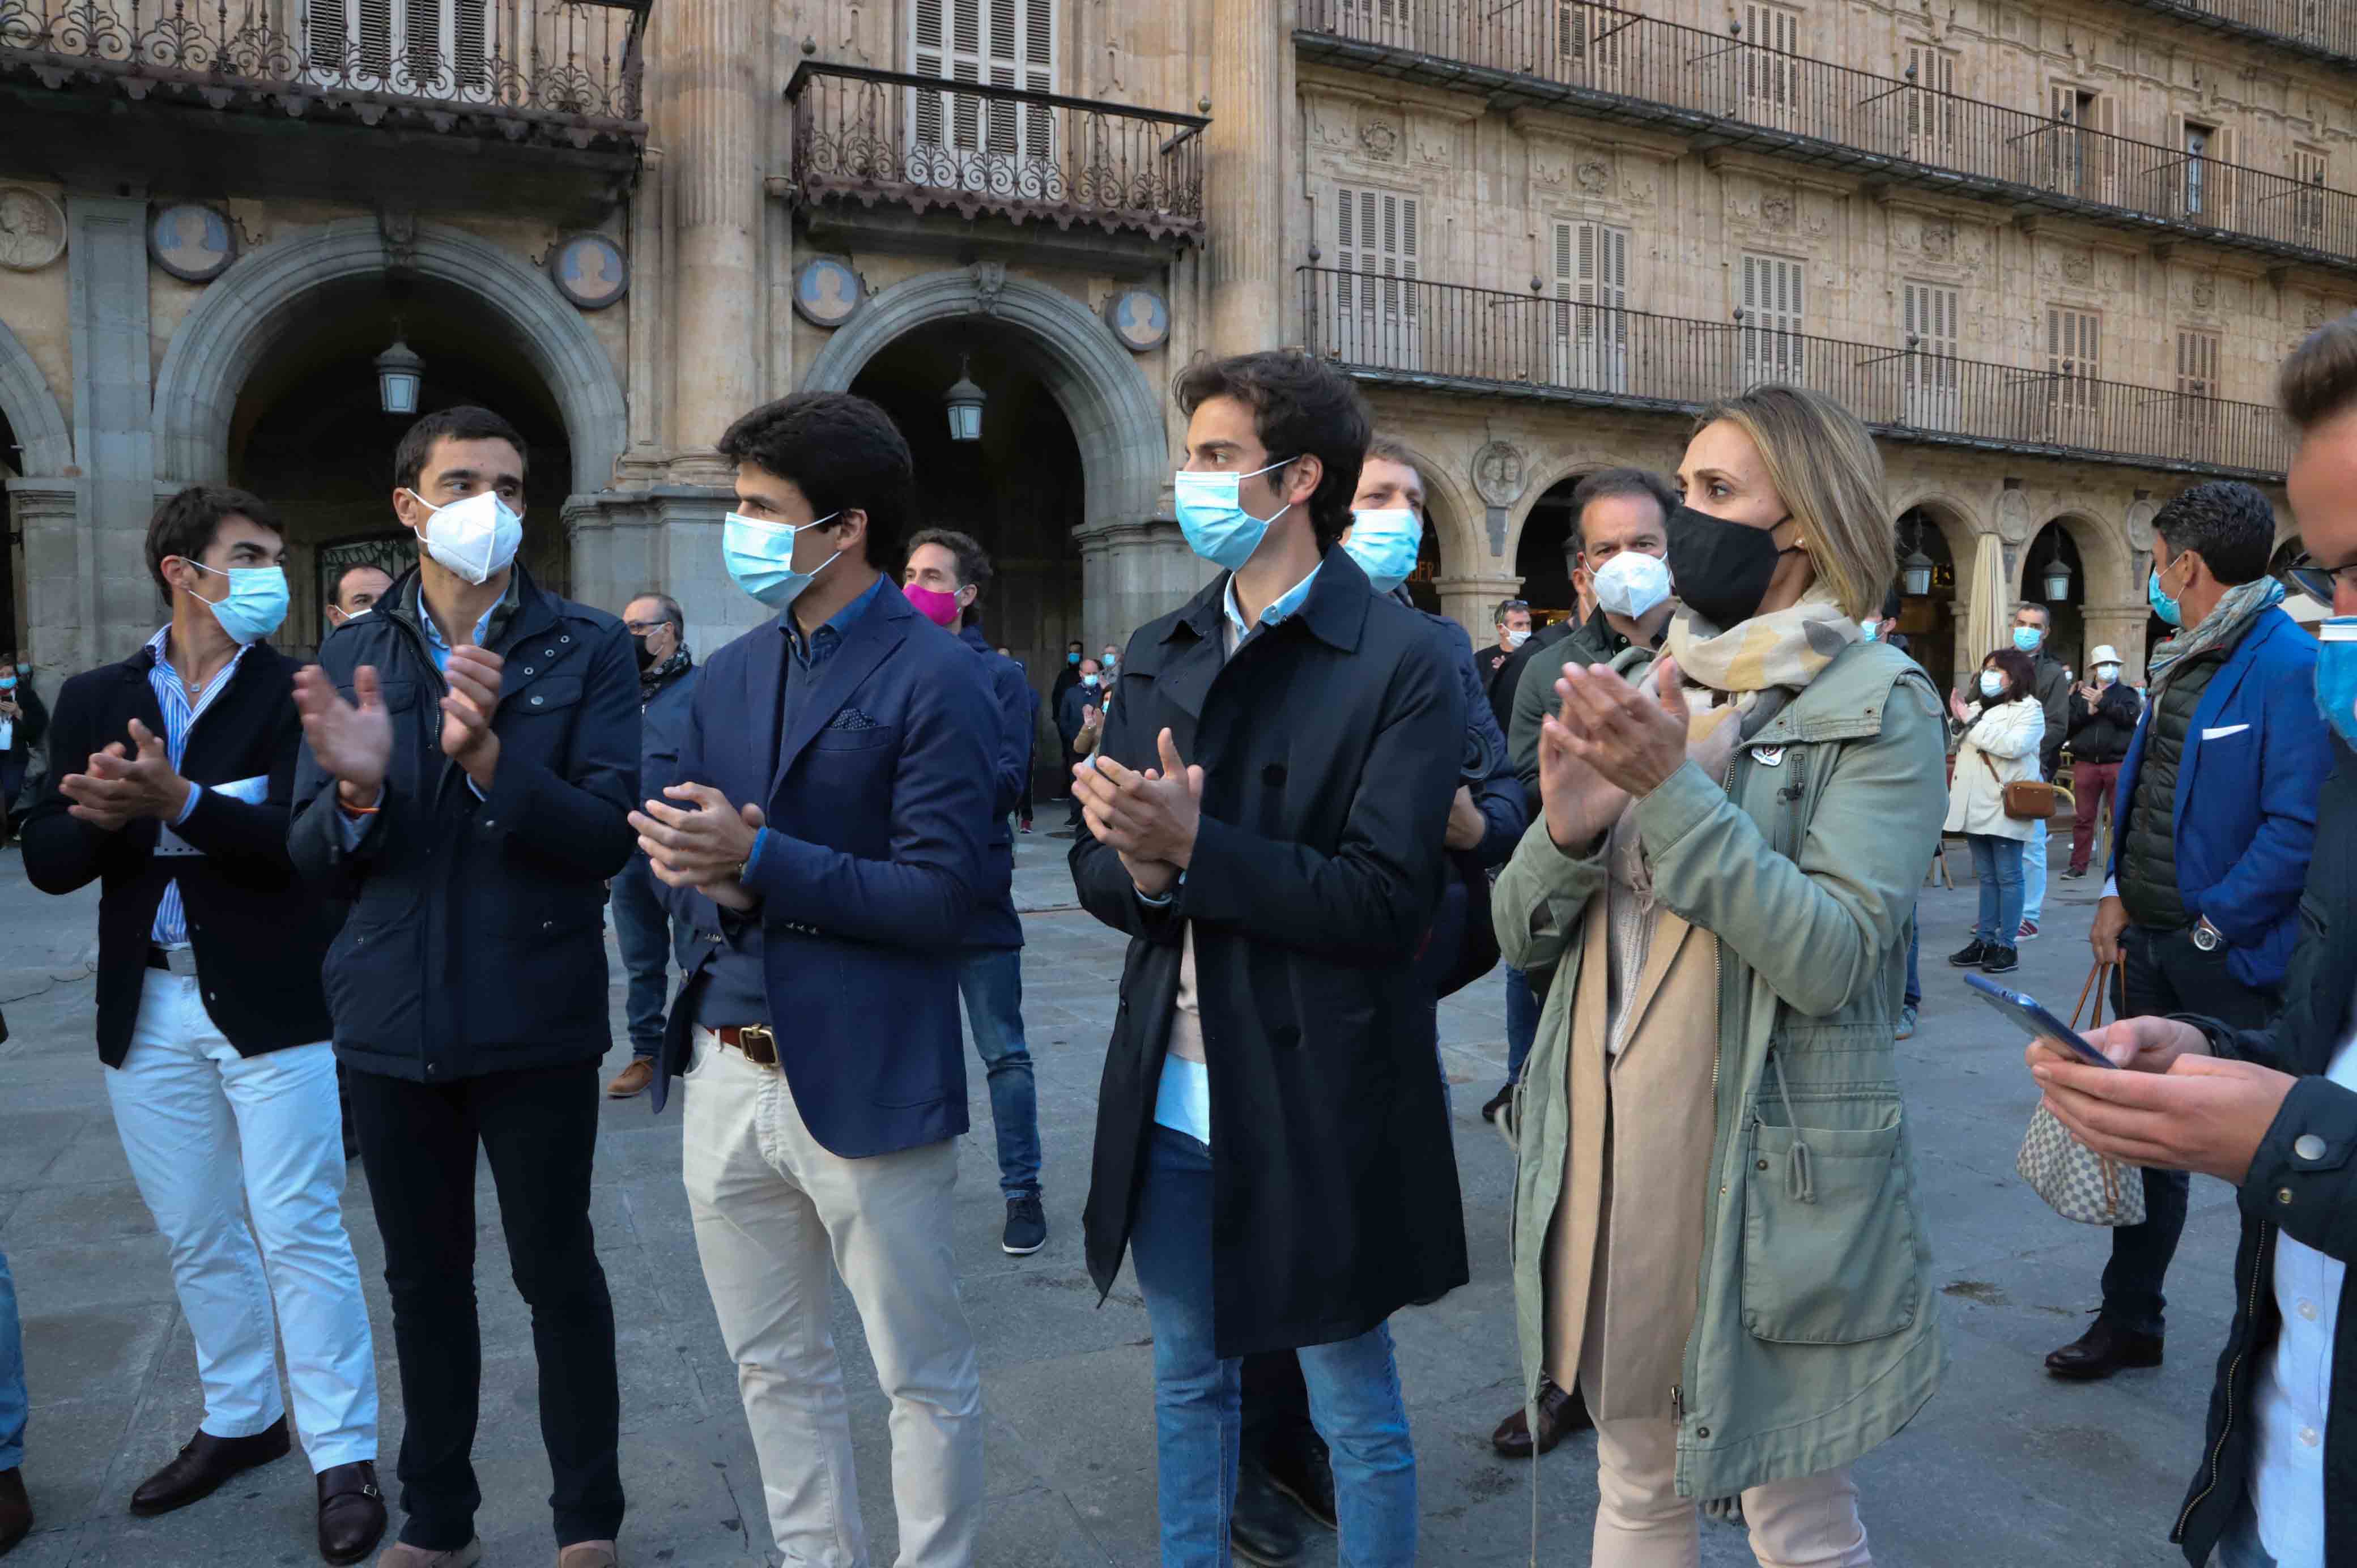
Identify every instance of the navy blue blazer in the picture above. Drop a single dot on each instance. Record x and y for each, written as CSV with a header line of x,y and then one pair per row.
x,y
877,804
995,926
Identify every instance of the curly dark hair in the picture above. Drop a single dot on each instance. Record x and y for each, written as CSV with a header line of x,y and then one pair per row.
x,y
841,451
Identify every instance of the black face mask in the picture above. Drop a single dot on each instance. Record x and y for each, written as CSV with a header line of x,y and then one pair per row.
x,y
1721,569
646,660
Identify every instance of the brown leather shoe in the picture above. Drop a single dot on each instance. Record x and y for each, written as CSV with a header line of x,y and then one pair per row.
x,y
632,1081
2101,1350
1560,1414
352,1511
203,1465
15,1509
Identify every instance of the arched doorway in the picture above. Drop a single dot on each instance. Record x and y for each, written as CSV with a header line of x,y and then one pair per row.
x,y
1133,567
2053,561
1930,620
1019,490
271,369
34,441
1543,555
308,436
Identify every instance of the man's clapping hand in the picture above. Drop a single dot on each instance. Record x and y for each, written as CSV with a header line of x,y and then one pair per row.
x,y
116,786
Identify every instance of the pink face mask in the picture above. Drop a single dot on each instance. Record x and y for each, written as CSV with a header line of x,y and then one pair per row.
x,y
939,608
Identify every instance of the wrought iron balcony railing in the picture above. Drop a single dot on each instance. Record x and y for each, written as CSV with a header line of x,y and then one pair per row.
x,y
886,136
1724,89
2321,29
569,70
1446,337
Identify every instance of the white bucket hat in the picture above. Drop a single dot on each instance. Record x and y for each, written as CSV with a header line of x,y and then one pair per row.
x,y
2104,654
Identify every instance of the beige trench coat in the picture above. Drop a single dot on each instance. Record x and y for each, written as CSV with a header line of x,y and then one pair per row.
x,y
1648,1113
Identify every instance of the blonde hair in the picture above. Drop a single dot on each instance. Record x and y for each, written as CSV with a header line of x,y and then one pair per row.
x,y
1829,475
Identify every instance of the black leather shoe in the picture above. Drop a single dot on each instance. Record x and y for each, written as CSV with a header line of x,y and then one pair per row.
x,y
1497,1102
352,1511
2000,961
1304,1472
2101,1350
1265,1530
1970,954
16,1510
1560,1414
203,1465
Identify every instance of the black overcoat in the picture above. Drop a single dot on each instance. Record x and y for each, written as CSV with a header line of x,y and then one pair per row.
x,y
1330,744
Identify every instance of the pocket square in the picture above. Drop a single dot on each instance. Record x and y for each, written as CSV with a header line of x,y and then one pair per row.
x,y
2223,731
850,718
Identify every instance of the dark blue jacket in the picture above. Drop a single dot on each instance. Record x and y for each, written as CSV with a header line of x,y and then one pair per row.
x,y
2245,821
995,927
476,941
878,801
662,721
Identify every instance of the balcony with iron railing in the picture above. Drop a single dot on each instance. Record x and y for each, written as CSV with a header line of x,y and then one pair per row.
x,y
1721,90
1448,338
865,138
2321,29
326,97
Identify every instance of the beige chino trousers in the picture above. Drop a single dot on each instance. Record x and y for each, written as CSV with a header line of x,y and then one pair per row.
x,y
772,1208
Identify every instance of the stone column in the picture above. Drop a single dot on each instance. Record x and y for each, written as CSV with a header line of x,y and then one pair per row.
x,y
711,126
112,601
666,536
1244,148
48,513
1472,603
2124,629
1130,573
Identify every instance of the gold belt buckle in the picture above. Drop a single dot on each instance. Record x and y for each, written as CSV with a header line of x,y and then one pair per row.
x,y
761,1035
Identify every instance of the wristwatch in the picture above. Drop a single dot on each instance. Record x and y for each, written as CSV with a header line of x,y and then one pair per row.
x,y
2206,937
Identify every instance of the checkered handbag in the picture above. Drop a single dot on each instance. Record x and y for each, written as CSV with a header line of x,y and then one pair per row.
x,y
2076,1182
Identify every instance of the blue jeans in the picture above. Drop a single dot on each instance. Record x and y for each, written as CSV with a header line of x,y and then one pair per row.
x,y
992,985
1996,862
2033,874
1354,1389
1522,1023
1914,997
12,1374
643,930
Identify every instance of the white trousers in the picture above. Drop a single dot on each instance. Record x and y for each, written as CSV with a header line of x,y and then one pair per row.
x,y
772,1208
210,1134
1641,1522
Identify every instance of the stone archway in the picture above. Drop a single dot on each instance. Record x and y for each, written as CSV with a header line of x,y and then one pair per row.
x,y
1133,567
259,301
31,410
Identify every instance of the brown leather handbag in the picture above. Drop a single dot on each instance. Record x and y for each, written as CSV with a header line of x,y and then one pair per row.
x,y
2026,799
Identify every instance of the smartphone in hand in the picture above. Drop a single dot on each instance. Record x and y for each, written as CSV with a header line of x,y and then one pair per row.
x,y
2022,1011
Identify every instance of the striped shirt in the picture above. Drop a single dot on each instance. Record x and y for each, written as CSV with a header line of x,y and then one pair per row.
x,y
171,928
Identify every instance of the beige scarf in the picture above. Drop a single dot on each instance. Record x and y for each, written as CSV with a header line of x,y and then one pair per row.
x,y
1748,674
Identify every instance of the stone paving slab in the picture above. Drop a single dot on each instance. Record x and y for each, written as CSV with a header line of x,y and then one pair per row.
x,y
2005,1466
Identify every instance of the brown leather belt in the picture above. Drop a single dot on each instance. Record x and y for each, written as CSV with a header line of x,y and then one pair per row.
x,y
754,1042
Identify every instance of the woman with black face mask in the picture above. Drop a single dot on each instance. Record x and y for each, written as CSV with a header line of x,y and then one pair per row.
x,y
1711,1232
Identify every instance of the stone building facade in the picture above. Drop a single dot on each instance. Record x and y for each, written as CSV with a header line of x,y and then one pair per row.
x,y
2051,252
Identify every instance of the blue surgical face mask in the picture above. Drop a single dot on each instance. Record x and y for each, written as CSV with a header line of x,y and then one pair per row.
x,y
1870,630
2165,606
1384,545
1216,525
2336,675
760,556
1072,659
2027,638
256,603
1992,683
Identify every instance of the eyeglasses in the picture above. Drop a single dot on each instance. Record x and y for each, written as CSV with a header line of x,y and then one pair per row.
x,y
644,627
2319,581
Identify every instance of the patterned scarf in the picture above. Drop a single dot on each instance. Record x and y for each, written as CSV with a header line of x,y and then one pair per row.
x,y
1760,663
2222,628
658,675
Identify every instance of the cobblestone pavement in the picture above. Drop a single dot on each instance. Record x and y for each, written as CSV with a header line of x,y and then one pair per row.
x,y
2005,1467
